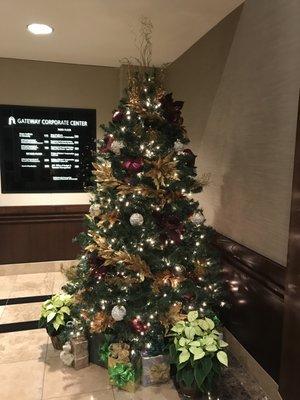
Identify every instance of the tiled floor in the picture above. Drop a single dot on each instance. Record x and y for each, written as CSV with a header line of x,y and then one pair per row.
x,y
30,369
27,285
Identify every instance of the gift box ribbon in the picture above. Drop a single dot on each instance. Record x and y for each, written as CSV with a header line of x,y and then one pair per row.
x,y
159,372
121,374
120,352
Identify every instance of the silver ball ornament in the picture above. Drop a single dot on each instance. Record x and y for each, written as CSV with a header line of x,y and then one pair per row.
x,y
178,146
116,146
94,210
136,219
118,313
197,218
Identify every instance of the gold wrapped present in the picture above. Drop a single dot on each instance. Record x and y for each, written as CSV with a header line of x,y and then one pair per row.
x,y
155,370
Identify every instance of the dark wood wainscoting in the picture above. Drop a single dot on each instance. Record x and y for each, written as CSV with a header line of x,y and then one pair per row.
x,y
39,233
255,283
256,291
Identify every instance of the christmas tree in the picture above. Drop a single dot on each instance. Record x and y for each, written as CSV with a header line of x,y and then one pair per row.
x,y
147,255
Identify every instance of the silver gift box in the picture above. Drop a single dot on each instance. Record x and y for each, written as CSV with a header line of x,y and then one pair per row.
x,y
155,370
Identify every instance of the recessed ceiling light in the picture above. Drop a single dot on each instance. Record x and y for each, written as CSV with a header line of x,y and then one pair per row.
x,y
40,29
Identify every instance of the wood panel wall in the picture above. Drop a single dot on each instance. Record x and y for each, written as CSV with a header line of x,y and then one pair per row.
x,y
256,294
39,233
289,383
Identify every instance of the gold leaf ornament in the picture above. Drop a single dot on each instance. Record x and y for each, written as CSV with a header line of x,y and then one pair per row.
x,y
132,262
101,322
163,170
166,278
109,218
172,316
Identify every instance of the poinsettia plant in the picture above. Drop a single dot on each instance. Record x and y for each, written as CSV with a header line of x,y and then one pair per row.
x,y
55,313
198,351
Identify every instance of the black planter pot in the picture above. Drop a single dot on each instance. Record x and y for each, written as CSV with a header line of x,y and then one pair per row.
x,y
56,342
192,393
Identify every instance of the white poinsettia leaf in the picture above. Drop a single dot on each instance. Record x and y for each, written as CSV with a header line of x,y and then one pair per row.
x,y
210,322
198,353
222,343
222,357
192,316
184,356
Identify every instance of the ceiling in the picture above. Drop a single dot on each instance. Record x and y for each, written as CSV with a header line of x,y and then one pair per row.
x,y
100,32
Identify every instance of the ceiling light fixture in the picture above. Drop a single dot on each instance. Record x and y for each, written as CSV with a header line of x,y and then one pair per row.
x,y
40,29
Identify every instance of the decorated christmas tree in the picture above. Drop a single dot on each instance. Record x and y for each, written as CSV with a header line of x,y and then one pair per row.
x,y
147,256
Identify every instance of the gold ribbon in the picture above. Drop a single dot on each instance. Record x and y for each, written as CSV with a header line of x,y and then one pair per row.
x,y
120,352
159,372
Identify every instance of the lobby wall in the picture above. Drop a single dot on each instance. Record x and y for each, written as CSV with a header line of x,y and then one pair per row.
x,y
35,83
240,84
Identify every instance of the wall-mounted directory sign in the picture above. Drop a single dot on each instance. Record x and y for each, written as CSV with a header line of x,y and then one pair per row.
x,y
46,149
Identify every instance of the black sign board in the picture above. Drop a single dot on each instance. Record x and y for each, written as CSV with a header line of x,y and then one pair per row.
x,y
45,149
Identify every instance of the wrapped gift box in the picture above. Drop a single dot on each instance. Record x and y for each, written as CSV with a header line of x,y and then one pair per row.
x,y
98,348
125,376
79,349
121,363
119,353
155,370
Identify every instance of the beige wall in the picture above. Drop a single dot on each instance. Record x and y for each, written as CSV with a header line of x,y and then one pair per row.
x,y
59,85
241,86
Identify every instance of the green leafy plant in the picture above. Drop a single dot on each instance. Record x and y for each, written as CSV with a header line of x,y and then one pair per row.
x,y
197,350
121,374
55,313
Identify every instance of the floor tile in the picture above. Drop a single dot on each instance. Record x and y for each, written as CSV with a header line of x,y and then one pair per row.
x,y
101,395
59,280
1,311
159,392
32,268
22,380
21,313
33,285
23,346
6,284
65,381
51,351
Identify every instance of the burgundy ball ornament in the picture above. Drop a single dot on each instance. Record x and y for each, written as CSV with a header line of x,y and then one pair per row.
x,y
100,272
191,158
138,325
133,165
118,116
108,140
188,297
